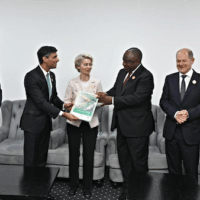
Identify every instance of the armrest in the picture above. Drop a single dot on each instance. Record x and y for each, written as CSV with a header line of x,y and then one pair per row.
x,y
57,138
112,142
161,143
3,133
102,139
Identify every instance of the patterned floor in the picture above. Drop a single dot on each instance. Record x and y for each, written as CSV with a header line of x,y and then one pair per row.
x,y
106,192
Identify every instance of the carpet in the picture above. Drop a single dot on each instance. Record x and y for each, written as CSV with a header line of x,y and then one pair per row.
x,y
105,192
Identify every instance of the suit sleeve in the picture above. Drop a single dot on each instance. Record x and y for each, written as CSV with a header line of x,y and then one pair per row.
x,y
0,96
142,93
165,101
33,90
194,112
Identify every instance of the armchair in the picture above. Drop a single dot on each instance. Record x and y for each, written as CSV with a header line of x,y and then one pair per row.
x,y
60,156
157,157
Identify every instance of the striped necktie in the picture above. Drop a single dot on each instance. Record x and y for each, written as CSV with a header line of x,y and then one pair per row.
x,y
49,84
127,78
183,87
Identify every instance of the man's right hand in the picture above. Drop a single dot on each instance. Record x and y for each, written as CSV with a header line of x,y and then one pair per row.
x,y
101,95
181,116
70,117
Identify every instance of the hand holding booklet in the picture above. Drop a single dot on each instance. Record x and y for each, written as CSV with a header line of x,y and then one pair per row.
x,y
84,106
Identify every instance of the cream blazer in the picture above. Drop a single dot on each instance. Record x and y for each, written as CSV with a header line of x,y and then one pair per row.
x,y
74,86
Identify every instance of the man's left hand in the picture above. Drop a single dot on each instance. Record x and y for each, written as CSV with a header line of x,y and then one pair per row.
x,y
106,100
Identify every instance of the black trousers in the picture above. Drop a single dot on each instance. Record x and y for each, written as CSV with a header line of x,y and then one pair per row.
x,y
36,147
88,136
178,151
132,153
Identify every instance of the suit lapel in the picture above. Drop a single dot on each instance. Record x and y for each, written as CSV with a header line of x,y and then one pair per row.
x,y
121,80
132,80
91,85
41,74
191,85
175,87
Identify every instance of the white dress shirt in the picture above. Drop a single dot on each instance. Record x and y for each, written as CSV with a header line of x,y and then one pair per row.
x,y
126,77
132,71
187,81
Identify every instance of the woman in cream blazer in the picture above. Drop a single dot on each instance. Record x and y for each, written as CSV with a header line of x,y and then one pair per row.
x,y
81,129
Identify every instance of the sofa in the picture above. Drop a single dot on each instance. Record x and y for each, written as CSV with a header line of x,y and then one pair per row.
x,y
11,141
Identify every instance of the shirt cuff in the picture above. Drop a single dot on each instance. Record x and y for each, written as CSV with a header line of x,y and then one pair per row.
x,y
61,113
175,114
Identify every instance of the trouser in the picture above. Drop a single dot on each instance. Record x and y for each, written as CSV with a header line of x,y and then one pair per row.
x,y
36,147
132,153
88,136
178,151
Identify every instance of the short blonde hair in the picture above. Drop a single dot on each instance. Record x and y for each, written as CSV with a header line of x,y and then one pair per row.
x,y
80,58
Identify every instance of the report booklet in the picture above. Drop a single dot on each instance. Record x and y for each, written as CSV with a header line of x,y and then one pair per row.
x,y
84,106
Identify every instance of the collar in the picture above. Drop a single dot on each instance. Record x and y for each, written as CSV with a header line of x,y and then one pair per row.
x,y
135,69
44,72
189,73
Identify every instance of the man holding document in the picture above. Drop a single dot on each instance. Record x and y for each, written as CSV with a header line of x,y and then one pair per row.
x,y
132,116
42,104
76,130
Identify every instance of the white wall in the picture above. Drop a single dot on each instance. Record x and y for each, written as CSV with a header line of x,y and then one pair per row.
x,y
102,28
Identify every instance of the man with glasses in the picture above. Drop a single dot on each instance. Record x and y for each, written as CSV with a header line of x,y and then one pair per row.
x,y
132,116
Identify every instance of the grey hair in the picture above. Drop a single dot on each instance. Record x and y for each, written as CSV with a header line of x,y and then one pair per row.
x,y
190,53
80,58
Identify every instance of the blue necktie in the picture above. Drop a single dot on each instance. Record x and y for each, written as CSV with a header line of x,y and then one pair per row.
x,y
49,84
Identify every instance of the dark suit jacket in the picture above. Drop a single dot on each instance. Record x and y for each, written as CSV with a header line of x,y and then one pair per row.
x,y
39,107
170,102
0,96
132,103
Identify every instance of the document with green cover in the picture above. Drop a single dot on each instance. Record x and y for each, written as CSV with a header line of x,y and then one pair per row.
x,y
84,106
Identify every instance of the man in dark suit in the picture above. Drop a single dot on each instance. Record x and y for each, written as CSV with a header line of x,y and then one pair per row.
x,y
181,102
42,104
0,95
132,116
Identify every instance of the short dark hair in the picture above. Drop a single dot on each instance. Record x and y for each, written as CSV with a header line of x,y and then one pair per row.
x,y
45,51
136,52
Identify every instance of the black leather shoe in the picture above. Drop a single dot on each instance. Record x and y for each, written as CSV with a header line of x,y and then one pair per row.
x,y
124,195
72,191
87,193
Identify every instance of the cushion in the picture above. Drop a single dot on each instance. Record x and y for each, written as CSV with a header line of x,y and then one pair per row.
x,y
60,156
156,160
11,151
